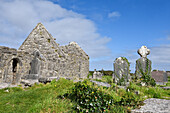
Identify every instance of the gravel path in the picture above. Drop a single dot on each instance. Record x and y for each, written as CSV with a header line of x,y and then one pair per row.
x,y
154,105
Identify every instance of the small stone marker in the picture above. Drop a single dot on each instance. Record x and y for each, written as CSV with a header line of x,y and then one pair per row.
x,y
143,64
121,71
97,74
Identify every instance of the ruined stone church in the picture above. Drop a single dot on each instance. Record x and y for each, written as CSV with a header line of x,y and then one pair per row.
x,y
40,56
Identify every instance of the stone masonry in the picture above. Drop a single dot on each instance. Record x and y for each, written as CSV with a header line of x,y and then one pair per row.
x,y
41,55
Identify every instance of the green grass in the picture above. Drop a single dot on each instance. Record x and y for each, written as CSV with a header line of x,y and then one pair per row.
x,y
40,98
45,98
105,78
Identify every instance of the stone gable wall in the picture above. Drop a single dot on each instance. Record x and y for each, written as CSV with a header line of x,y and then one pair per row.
x,y
60,61
77,60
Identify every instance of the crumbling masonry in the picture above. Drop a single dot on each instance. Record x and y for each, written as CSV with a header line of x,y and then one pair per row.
x,y
40,55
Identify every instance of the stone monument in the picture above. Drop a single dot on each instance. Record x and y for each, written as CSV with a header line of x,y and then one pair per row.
x,y
121,71
97,74
143,64
35,63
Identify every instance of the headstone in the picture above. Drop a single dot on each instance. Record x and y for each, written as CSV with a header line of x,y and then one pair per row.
x,y
35,63
160,77
121,71
35,67
97,74
94,74
143,64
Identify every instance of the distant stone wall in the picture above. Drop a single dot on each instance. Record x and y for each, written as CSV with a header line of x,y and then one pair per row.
x,y
168,73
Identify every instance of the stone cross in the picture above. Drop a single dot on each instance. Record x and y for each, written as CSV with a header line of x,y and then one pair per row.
x,y
143,64
143,51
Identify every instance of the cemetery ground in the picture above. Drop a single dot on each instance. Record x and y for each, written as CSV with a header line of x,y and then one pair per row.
x,y
68,96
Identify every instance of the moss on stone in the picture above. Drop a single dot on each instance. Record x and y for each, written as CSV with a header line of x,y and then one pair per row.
x,y
124,58
49,40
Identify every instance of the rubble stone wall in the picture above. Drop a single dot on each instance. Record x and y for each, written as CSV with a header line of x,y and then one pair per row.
x,y
60,61
7,57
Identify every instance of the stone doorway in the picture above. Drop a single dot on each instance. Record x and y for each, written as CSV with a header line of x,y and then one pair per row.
x,y
15,67
13,71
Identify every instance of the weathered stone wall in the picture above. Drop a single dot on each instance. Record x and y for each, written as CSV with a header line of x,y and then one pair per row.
x,y
168,73
65,61
13,64
51,55
77,60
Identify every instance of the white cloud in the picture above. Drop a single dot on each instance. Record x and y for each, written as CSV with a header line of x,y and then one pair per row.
x,y
168,37
160,54
114,14
19,17
105,63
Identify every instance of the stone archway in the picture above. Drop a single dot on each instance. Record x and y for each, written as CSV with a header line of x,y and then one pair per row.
x,y
13,70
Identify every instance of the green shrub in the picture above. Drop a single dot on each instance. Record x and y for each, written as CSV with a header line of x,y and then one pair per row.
x,y
152,82
168,84
132,87
89,99
117,109
121,82
108,73
153,92
148,80
90,74
130,99
107,79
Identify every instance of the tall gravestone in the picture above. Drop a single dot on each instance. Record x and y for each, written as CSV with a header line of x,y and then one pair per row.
x,y
121,71
143,64
35,67
35,63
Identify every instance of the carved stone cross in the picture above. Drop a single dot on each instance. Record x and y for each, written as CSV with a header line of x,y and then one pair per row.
x,y
143,51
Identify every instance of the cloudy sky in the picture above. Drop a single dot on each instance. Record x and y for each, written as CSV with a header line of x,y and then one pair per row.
x,y
105,29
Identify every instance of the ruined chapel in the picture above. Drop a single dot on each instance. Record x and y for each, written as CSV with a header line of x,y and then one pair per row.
x,y
40,56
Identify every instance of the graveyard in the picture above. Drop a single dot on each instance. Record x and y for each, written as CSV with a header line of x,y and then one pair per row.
x,y
84,56
117,91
